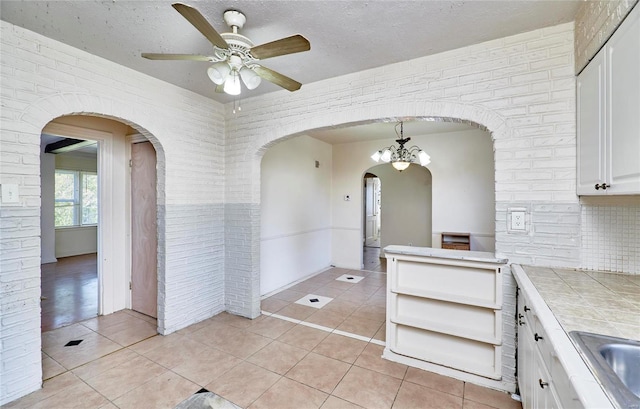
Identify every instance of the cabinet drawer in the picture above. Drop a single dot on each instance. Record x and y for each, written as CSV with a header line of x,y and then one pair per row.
x,y
481,324
455,352
464,284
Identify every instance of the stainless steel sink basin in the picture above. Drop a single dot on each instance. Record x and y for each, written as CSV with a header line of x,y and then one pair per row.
x,y
615,362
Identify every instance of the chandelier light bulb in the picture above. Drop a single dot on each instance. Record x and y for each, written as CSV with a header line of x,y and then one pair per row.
x,y
399,165
376,156
386,156
232,84
219,72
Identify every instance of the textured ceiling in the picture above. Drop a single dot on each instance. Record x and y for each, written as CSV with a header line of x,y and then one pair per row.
x,y
345,36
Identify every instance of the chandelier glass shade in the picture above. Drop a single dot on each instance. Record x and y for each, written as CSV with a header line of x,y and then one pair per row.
x,y
230,71
401,157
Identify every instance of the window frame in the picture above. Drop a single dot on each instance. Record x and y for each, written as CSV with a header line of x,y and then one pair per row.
x,y
77,202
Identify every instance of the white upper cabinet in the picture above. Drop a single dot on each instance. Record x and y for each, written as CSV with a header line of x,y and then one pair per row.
x,y
608,98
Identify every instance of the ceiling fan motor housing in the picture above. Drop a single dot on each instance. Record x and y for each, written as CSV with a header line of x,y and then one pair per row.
x,y
234,19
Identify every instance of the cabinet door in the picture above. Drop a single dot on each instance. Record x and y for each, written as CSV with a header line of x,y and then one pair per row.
x,y
591,126
623,90
526,364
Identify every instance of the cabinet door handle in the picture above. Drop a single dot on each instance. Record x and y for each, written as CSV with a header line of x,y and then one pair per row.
x,y
537,337
526,308
602,186
542,383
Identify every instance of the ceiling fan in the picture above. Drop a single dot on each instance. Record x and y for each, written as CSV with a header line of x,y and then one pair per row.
x,y
234,56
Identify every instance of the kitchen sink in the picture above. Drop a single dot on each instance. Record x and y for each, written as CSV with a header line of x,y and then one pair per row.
x,y
615,362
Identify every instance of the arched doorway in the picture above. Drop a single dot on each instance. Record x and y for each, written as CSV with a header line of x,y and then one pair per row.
x,y
113,140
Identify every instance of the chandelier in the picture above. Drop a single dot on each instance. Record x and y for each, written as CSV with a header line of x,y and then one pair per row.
x,y
401,157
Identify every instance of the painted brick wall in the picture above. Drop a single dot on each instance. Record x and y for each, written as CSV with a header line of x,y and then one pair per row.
x,y
521,88
594,24
42,79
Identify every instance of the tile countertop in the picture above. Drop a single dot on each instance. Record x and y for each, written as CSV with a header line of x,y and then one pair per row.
x,y
593,301
480,256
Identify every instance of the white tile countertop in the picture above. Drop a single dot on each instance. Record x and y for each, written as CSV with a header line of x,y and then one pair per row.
x,y
599,302
481,256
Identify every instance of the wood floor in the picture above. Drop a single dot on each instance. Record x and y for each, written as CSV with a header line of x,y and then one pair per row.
x,y
69,291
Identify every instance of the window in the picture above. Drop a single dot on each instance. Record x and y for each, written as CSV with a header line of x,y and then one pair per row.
x,y
76,198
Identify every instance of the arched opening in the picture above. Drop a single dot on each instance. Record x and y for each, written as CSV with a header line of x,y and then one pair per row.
x,y
124,231
405,206
460,196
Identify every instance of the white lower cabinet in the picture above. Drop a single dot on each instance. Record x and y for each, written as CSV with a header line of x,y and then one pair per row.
x,y
543,379
538,388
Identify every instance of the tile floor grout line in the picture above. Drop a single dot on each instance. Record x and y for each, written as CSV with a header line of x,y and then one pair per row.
x,y
329,330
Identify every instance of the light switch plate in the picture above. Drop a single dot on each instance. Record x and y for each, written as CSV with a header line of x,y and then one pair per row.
x,y
10,193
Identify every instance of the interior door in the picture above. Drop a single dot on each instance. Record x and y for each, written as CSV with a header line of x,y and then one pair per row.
x,y
371,211
144,242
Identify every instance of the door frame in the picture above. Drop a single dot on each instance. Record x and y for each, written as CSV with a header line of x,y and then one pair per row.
x,y
106,239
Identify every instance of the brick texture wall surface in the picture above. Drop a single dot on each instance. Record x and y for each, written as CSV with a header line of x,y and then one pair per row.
x,y
42,79
521,88
594,24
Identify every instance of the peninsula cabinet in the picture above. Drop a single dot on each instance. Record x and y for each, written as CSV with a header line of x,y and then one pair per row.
x,y
444,307
608,115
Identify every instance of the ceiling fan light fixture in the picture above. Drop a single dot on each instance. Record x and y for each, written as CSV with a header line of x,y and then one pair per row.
x,y
219,72
250,78
232,84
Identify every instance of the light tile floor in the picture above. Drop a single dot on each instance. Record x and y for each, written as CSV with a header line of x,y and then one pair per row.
x,y
268,362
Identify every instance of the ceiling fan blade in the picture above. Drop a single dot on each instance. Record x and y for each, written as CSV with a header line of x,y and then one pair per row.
x,y
277,78
289,45
199,22
192,57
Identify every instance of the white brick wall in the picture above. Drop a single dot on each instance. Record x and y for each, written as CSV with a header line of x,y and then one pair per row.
x,y
595,21
521,88
42,79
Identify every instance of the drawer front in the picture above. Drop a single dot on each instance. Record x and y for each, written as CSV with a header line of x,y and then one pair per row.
x,y
455,281
452,318
470,356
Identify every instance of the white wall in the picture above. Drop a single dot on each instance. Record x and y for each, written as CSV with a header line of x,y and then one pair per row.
x,y
405,206
75,241
47,211
462,192
462,165
295,213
